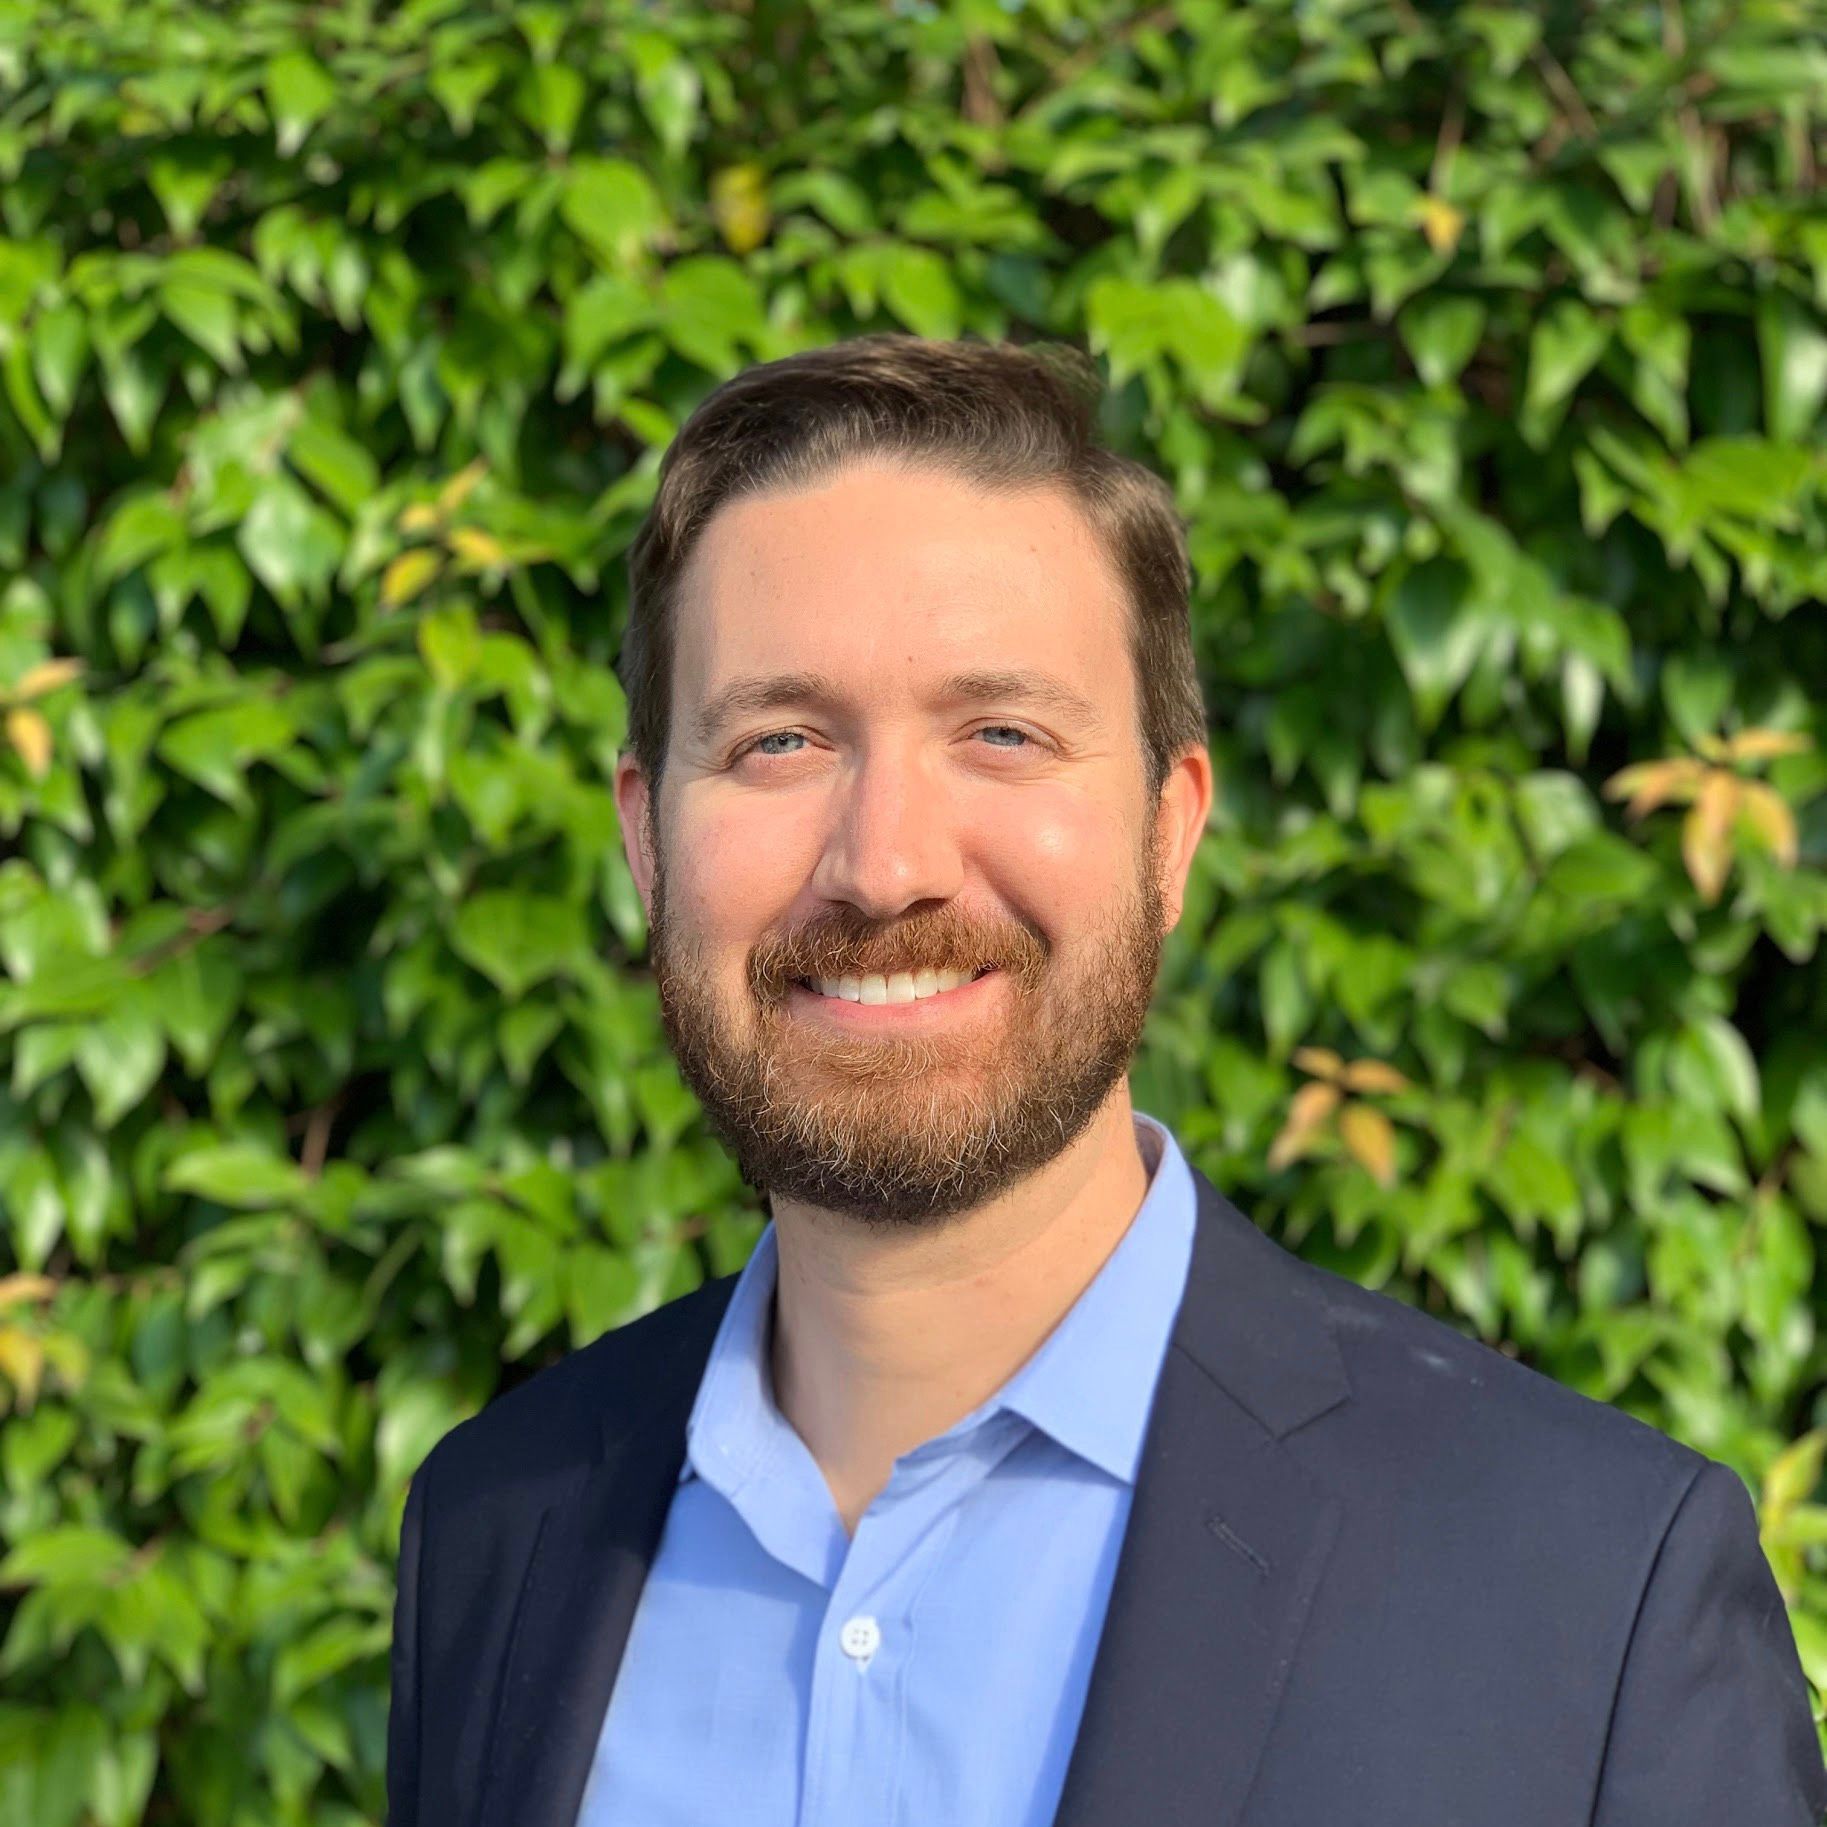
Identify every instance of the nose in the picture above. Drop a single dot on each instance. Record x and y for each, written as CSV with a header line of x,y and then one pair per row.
x,y
892,842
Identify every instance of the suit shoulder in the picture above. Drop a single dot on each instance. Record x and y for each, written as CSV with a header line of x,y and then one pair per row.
x,y
549,1425
1418,1379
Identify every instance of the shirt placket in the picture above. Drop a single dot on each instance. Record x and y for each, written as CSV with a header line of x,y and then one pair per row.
x,y
854,1722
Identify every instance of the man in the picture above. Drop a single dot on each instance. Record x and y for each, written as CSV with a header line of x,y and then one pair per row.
x,y
1018,1478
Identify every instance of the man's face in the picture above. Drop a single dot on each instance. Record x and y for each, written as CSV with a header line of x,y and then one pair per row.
x,y
892,825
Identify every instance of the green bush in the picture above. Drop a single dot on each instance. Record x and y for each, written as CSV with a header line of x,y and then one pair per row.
x,y
1486,348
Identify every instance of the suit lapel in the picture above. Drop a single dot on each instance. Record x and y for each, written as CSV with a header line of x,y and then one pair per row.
x,y
590,1558
1228,1536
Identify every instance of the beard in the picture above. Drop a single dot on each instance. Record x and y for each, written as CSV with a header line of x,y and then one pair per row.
x,y
894,1130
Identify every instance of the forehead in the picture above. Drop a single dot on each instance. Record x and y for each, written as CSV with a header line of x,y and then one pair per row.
x,y
891,572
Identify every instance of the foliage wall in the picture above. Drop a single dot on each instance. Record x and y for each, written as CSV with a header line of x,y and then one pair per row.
x,y
1486,347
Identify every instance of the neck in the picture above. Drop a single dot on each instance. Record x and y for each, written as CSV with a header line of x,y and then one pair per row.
x,y
880,1342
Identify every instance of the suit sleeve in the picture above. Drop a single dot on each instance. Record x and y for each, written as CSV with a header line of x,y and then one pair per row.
x,y
1711,1722
403,1706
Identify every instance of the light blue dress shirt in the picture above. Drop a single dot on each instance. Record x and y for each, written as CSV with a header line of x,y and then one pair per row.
x,y
931,1671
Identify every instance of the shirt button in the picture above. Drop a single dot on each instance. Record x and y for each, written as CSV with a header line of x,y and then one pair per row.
x,y
860,1639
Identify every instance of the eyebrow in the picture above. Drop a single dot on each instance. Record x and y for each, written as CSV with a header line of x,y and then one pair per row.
x,y
783,690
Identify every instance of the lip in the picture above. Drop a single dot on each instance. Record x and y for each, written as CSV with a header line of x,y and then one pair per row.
x,y
907,1017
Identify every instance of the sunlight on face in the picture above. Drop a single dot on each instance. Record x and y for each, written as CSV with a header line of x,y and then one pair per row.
x,y
904,739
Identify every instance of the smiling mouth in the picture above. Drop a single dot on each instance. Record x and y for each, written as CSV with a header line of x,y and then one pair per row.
x,y
891,987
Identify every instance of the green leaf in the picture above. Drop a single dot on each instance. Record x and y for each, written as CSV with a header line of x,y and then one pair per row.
x,y
451,644
920,290
325,1651
236,1173
216,748
517,939
207,315
1437,633
1600,869
120,1057
195,993
299,92
60,353
66,1554
290,543
1792,345
711,311
1441,333
335,462
1562,350
613,206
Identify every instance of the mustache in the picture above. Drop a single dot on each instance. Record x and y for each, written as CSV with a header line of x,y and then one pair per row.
x,y
845,944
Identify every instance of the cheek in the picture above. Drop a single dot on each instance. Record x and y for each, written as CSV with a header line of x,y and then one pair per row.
x,y
1058,842
744,872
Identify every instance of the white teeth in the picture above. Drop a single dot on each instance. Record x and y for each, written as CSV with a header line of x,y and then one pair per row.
x,y
903,986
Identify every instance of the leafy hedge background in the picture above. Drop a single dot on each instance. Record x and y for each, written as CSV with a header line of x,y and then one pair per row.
x,y
1486,347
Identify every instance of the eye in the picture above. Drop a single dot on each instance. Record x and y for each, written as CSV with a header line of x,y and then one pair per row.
x,y
1007,729
771,736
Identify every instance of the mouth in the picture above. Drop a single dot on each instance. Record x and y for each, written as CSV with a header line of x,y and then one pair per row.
x,y
901,996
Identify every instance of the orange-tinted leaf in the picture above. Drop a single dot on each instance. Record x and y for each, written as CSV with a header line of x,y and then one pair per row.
x,y
1322,1062
46,676
1706,833
1307,1114
1769,816
1652,783
1374,1075
1767,745
1367,1132
1442,223
419,517
25,1286
28,732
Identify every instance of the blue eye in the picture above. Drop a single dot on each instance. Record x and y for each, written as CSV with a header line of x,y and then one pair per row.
x,y
772,735
1008,729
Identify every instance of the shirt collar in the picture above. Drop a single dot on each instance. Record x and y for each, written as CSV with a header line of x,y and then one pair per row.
x,y
1089,1386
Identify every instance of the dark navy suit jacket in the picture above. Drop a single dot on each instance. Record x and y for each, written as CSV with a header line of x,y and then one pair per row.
x,y
1375,1574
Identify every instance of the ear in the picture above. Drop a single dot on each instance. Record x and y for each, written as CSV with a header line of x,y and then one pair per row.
x,y
634,808
1180,818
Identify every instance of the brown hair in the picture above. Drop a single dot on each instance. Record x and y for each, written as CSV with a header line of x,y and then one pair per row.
x,y
998,415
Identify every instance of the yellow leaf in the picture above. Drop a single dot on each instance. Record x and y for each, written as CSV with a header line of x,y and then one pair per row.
x,y
1769,816
408,575
1367,1132
46,676
419,517
739,207
1442,222
1792,1476
1373,1075
28,732
456,491
1322,1062
25,1286
1766,745
1651,783
477,548
1706,833
22,1361
1307,1114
